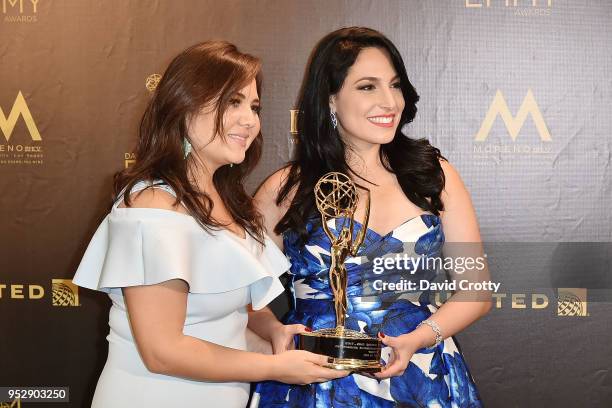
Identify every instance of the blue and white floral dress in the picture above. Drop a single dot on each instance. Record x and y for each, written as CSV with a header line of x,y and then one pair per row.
x,y
435,377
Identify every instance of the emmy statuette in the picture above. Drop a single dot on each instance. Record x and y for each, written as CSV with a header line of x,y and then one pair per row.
x,y
336,198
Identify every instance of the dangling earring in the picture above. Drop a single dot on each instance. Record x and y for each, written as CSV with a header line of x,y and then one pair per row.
x,y
334,120
186,147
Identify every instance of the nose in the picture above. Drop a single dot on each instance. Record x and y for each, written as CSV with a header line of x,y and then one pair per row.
x,y
387,99
248,118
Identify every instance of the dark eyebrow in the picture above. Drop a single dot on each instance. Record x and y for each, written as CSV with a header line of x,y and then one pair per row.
x,y
367,78
375,79
241,95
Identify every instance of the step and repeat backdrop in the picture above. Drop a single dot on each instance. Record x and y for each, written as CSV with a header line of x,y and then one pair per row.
x,y
516,94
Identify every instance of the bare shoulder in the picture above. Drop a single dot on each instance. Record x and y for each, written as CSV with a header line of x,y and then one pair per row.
x,y
268,191
265,201
454,188
455,195
459,216
451,174
154,198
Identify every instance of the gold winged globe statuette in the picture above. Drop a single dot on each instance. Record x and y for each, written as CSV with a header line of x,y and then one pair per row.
x,y
336,198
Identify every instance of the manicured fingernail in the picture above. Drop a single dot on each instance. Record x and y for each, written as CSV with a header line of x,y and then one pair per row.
x,y
382,334
308,329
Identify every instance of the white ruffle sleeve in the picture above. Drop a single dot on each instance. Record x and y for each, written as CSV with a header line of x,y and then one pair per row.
x,y
145,246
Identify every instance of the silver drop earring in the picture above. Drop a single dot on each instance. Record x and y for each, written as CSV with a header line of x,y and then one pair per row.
x,y
186,147
334,120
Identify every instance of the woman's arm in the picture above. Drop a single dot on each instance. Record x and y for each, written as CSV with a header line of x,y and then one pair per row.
x,y
265,202
462,237
263,322
157,316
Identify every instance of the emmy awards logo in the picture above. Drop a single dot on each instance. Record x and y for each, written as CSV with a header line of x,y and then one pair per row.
x,y
336,199
20,11
152,81
64,293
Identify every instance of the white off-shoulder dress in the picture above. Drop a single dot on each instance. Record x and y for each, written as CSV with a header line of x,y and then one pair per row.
x,y
225,273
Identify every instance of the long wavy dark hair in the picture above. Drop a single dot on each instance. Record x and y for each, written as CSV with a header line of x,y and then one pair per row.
x,y
206,74
320,149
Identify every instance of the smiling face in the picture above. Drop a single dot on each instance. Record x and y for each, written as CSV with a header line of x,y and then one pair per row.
x,y
240,127
370,103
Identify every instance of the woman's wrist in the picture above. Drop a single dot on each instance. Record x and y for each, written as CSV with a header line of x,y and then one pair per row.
x,y
264,324
423,337
272,327
271,371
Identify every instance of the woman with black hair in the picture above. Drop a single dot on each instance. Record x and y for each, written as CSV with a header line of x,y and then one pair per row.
x,y
354,102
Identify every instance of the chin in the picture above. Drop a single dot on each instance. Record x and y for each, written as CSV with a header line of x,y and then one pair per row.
x,y
376,135
237,159
388,139
380,139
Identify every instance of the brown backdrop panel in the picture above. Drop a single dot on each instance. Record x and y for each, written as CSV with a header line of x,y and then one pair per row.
x,y
81,68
